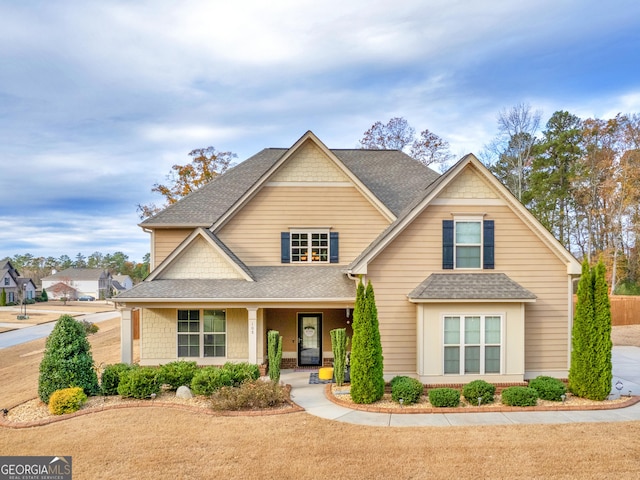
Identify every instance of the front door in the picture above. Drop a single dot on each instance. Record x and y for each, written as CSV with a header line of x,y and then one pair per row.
x,y
310,339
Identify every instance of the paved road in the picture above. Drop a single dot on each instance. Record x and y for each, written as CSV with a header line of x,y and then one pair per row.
x,y
26,334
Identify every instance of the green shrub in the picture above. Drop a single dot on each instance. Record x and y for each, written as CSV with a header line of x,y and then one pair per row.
x,y
139,382
627,287
406,388
444,397
110,378
339,342
177,374
67,360
274,352
43,296
67,400
479,388
89,327
255,394
209,379
242,372
367,379
520,397
548,388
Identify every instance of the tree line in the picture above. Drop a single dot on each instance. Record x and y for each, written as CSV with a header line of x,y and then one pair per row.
x,y
117,263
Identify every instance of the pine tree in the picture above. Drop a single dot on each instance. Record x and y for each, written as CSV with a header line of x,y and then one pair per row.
x,y
590,372
67,360
367,380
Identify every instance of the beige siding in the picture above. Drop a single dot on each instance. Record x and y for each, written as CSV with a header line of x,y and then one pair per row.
x,y
200,260
166,241
158,339
254,233
237,334
309,164
416,253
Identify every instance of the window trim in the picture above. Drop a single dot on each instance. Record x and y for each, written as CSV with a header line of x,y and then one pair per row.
x,y
483,344
468,219
201,334
309,258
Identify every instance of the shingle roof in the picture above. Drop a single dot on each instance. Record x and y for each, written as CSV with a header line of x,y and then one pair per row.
x,y
272,283
470,286
392,176
77,274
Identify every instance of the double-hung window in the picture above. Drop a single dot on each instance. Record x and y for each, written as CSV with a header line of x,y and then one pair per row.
x,y
472,344
468,243
202,333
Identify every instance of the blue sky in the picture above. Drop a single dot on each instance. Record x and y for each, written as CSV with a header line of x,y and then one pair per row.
x,y
99,99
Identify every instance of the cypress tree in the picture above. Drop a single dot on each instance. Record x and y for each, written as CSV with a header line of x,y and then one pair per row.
x,y
3,298
367,381
590,372
44,296
602,367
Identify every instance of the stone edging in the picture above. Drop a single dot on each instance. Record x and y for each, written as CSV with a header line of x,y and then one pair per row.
x,y
292,408
485,408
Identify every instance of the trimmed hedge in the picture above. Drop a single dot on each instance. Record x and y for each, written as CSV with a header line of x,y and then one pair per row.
x,y
444,397
520,397
178,373
209,379
110,378
479,388
67,400
548,388
406,388
139,382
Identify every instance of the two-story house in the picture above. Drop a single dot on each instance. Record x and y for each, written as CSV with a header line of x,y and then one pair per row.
x,y
74,283
16,287
468,283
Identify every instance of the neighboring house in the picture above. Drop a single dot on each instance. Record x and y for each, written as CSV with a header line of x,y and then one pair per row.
x,y
15,286
468,283
83,281
61,290
120,283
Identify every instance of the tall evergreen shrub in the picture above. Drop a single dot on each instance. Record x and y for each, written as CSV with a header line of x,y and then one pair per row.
x,y
274,352
339,342
367,380
3,298
590,373
43,296
67,360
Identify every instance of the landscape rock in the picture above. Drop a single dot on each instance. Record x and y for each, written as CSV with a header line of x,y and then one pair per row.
x,y
184,392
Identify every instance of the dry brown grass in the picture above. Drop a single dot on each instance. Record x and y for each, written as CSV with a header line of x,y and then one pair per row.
x,y
626,335
164,443
38,313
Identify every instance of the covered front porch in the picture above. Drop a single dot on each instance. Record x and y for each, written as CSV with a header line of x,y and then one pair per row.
x,y
213,334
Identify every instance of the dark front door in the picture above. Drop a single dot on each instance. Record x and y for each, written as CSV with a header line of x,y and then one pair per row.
x,y
310,339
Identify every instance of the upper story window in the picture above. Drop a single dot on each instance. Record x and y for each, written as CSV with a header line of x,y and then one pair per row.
x,y
468,243
309,246
6,280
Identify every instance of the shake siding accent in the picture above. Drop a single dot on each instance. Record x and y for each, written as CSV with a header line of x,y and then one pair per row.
x,y
254,232
166,241
417,253
158,336
237,334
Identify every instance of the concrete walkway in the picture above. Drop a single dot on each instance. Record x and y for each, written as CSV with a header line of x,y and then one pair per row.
x,y
626,368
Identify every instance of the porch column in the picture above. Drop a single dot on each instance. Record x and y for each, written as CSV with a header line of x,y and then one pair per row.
x,y
253,334
126,336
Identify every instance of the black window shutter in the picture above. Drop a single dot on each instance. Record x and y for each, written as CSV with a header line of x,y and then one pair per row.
x,y
333,247
447,244
285,248
488,245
